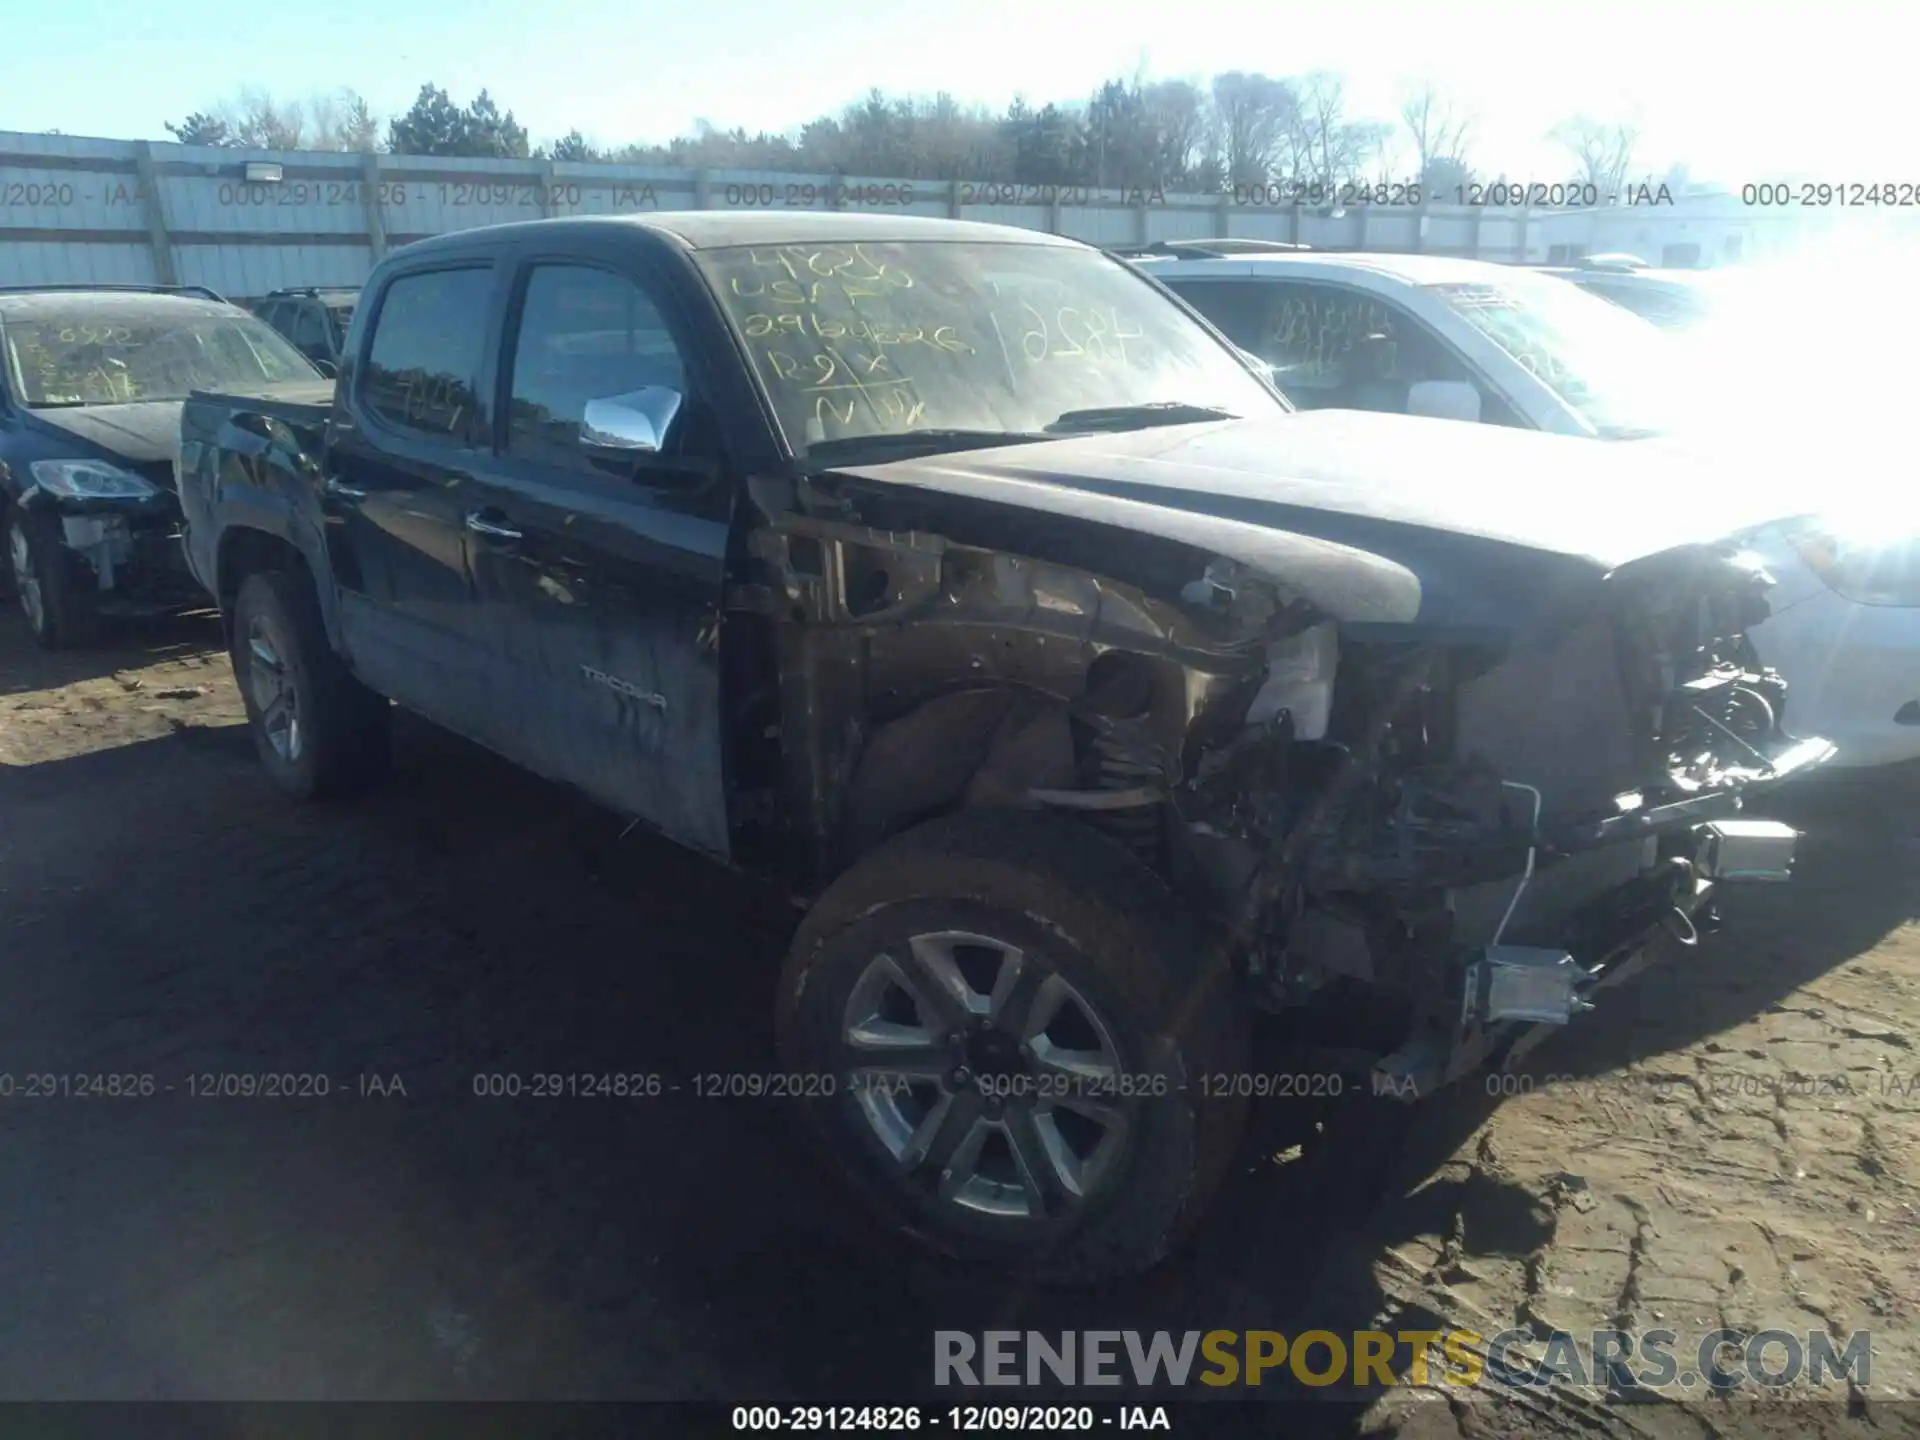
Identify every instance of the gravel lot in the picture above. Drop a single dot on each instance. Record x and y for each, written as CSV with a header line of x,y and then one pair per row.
x,y
1730,1139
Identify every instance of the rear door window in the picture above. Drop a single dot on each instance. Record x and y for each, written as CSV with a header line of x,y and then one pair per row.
x,y
309,332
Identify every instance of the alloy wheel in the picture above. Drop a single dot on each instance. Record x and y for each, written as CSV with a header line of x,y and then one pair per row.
x,y
987,1075
26,579
272,687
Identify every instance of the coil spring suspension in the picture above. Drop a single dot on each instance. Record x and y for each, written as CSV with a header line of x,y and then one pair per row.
x,y
1121,767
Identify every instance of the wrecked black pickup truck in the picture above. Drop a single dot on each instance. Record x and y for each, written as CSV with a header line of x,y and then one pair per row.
x,y
967,582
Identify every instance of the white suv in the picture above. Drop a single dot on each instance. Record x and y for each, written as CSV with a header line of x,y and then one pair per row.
x,y
1431,335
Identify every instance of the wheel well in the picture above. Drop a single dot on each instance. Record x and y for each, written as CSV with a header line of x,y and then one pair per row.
x,y
245,551
989,745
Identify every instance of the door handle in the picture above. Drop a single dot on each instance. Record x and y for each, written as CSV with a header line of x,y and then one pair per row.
x,y
480,525
344,492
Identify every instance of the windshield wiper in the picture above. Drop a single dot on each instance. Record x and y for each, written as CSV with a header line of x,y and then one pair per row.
x,y
1136,417
902,444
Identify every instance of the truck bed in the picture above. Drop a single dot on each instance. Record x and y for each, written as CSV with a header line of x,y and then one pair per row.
x,y
302,406
296,402
281,426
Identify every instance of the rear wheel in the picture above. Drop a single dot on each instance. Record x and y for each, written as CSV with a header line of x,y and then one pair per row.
x,y
318,730
1003,1021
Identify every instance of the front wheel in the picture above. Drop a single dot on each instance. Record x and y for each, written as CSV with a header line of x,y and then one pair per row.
x,y
1010,1018
46,585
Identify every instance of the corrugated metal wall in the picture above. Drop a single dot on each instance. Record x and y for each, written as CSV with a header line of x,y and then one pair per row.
x,y
137,211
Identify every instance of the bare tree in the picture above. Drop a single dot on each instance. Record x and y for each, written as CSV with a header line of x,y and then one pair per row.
x,y
1602,150
258,121
359,128
1327,146
1253,114
1178,113
1440,130
334,120
342,120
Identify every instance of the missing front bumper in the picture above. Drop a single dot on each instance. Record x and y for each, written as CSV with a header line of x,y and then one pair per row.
x,y
1544,985
1512,996
131,566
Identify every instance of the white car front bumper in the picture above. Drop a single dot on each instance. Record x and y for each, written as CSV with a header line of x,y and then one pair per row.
x,y
1850,669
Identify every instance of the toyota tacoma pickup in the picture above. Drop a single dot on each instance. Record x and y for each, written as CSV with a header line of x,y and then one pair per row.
x,y
91,381
965,581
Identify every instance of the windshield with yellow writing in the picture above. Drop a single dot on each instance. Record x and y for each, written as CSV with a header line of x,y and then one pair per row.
x,y
119,351
870,339
1613,369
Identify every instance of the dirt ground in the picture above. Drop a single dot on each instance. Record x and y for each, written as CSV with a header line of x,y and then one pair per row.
x,y
1729,1141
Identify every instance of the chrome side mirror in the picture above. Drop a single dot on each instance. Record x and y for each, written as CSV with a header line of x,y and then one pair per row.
x,y
635,423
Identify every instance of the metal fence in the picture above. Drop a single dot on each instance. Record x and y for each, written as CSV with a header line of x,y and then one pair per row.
x,y
126,211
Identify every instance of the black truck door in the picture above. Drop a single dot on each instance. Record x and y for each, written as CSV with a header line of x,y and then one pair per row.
x,y
400,447
601,574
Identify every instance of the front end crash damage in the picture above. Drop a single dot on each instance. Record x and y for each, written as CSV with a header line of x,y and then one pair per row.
x,y
1481,830
123,554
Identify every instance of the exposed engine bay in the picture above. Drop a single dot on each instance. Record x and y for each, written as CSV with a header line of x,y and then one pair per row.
x,y
1482,827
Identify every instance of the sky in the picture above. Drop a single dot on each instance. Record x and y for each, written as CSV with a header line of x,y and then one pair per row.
x,y
1736,92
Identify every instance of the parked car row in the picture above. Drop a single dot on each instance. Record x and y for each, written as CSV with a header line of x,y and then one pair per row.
x,y
1095,693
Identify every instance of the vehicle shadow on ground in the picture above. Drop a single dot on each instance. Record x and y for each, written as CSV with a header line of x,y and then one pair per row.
x,y
123,645
123,765
471,920
765,1247
768,1252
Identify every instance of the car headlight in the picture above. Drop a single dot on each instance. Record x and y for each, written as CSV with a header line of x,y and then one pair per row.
x,y
1855,563
90,480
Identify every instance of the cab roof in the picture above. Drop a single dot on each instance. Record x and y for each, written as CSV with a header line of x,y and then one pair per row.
x,y
148,304
1410,269
718,229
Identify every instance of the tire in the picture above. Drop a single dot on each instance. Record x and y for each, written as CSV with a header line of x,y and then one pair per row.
x,y
47,583
340,739
1146,992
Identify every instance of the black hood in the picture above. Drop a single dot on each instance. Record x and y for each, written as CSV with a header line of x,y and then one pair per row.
x,y
145,433
1380,518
